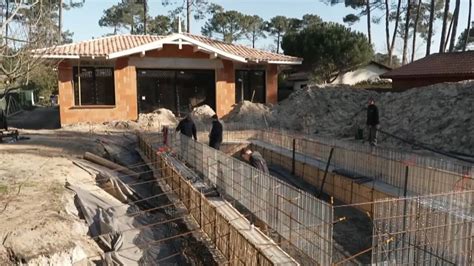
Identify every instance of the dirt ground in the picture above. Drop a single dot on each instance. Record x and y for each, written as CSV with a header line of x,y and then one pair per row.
x,y
39,223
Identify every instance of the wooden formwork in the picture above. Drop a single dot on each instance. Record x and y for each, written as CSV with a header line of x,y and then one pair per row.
x,y
219,221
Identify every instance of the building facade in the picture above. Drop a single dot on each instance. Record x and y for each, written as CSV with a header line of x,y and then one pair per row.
x,y
118,77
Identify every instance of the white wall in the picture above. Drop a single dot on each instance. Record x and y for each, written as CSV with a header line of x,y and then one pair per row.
x,y
300,84
370,71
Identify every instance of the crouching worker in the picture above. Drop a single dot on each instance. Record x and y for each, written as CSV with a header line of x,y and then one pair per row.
x,y
215,137
255,159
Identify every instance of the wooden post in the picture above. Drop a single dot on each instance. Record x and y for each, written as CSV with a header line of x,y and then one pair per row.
x,y
200,211
294,157
405,187
326,172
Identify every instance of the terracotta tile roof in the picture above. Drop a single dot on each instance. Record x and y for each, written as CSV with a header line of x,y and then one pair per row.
x,y
437,65
249,53
102,47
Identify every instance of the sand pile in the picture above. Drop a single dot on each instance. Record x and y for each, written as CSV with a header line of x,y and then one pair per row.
x,y
202,117
440,115
322,110
155,120
249,113
159,118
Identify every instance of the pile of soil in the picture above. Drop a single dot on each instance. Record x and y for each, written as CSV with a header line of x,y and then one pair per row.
x,y
202,117
155,121
251,114
440,115
159,118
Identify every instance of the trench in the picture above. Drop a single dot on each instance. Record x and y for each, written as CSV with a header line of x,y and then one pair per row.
x,y
159,218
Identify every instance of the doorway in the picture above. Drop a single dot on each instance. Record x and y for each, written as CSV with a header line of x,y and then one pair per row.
x,y
177,90
250,86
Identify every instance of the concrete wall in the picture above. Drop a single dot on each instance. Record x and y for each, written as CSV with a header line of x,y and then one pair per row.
x,y
368,72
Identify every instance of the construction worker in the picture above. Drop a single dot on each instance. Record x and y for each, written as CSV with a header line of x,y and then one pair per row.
x,y
187,127
372,121
255,159
215,136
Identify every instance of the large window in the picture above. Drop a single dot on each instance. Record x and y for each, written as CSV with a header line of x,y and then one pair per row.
x,y
250,86
177,90
95,86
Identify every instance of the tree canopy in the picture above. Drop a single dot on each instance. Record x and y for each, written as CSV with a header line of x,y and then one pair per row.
x,y
328,48
126,15
229,26
462,39
254,28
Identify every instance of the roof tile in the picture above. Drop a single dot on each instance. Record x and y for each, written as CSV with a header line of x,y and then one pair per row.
x,y
437,65
108,45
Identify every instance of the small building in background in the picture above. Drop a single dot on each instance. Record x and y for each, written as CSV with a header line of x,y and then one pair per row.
x,y
368,72
433,69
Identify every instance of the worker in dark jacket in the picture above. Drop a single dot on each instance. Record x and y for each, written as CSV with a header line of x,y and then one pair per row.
x,y
372,121
215,137
255,159
187,127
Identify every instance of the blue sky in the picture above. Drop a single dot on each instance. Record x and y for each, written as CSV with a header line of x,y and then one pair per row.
x,y
83,22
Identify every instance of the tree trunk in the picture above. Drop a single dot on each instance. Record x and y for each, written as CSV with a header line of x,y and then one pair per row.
x,y
253,39
368,21
455,25
415,27
387,32
60,21
144,17
278,43
394,35
445,24
449,34
430,28
7,13
188,15
468,26
405,37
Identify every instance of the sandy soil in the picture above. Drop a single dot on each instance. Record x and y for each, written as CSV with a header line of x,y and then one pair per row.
x,y
39,223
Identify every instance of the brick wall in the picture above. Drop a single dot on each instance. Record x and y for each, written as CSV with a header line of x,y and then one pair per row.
x,y
272,84
125,97
225,88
